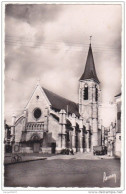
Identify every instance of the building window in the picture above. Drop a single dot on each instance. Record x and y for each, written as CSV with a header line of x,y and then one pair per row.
x,y
96,94
16,148
37,113
86,92
83,142
118,115
37,97
89,140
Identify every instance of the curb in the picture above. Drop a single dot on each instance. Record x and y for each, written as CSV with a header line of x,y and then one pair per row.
x,y
31,160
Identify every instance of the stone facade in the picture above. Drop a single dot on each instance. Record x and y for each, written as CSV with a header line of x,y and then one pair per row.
x,y
89,108
50,123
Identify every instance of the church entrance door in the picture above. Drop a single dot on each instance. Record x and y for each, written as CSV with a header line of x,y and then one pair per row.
x,y
36,147
53,145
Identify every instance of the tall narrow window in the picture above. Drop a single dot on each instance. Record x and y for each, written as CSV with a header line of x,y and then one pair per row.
x,y
86,92
96,94
118,115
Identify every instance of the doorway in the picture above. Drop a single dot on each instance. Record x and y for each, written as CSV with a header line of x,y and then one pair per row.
x,y
53,145
36,147
8,149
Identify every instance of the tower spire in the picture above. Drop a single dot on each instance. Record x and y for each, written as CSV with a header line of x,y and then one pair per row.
x,y
90,72
90,39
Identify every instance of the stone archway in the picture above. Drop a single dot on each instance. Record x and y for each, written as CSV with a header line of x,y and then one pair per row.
x,y
69,131
84,132
77,137
35,139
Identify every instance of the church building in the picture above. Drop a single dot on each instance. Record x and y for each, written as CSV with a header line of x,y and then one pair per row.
x,y
50,123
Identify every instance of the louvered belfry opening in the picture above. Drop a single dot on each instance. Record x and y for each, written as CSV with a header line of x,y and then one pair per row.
x,y
86,92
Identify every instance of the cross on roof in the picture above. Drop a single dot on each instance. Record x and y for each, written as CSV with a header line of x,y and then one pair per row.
x,y
90,39
38,81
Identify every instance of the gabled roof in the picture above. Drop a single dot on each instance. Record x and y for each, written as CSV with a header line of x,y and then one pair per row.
x,y
90,72
38,86
58,103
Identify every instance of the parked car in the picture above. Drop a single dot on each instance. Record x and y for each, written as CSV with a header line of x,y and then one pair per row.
x,y
99,150
67,151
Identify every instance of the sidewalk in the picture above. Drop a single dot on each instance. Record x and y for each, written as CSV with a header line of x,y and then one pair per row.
x,y
7,160
107,157
80,156
76,156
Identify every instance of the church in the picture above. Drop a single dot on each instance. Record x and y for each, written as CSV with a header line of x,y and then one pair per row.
x,y
51,123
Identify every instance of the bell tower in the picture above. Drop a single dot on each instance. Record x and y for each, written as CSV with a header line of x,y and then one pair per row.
x,y
89,94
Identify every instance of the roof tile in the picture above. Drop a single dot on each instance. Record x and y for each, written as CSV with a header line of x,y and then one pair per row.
x,y
59,103
90,72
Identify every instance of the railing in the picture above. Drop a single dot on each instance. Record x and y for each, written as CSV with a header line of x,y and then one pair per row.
x,y
34,126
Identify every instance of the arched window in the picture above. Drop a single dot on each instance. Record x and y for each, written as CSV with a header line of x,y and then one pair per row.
x,y
29,126
41,127
85,92
38,126
96,94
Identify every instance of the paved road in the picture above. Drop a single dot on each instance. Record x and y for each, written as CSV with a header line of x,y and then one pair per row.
x,y
63,173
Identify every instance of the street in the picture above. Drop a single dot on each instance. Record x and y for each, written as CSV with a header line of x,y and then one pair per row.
x,y
63,173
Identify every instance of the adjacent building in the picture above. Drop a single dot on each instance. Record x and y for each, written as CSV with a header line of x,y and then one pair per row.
x,y
7,139
111,139
118,126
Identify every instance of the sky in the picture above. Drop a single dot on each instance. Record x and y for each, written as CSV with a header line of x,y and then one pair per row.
x,y
50,43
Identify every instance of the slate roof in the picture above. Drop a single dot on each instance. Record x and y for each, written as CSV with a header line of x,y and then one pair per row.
x,y
59,103
118,95
90,72
7,126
